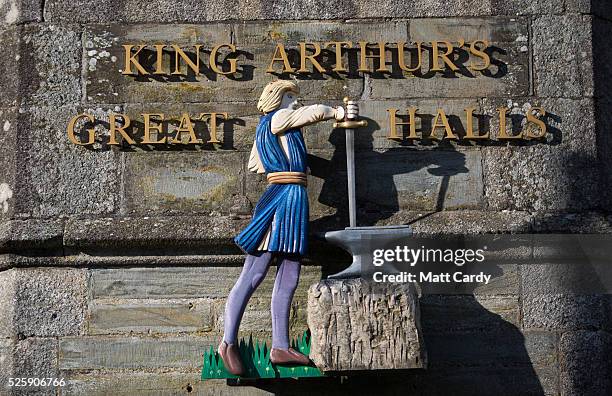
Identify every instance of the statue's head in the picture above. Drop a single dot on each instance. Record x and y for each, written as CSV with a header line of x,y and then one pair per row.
x,y
274,95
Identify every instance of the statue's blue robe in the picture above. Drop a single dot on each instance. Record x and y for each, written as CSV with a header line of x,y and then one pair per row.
x,y
284,206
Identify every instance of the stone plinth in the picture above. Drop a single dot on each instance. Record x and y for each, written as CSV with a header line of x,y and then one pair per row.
x,y
356,325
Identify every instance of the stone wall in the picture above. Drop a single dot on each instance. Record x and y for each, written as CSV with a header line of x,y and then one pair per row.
x,y
116,261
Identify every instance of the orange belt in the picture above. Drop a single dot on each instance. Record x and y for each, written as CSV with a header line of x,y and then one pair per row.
x,y
287,178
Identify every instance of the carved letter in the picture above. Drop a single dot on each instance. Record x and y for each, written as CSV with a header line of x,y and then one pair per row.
x,y
121,129
131,59
90,132
436,55
441,116
148,128
186,126
312,59
469,131
393,124
282,57
481,54
178,54
213,125
531,118
402,61
363,64
213,59
159,67
338,50
503,134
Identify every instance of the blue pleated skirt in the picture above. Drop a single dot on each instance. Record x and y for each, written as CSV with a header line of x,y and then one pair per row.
x,y
284,208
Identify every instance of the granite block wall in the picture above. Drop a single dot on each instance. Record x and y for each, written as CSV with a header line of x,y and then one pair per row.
x,y
115,260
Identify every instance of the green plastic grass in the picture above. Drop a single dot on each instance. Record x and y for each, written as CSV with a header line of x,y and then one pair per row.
x,y
256,360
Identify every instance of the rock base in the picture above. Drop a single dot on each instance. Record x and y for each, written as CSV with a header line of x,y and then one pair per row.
x,y
356,325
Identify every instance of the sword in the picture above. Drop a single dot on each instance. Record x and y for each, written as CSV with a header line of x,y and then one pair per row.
x,y
350,124
359,241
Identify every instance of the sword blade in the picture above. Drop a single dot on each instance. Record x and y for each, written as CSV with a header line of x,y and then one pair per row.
x,y
350,172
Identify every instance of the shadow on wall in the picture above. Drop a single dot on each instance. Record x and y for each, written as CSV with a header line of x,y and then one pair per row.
x,y
376,189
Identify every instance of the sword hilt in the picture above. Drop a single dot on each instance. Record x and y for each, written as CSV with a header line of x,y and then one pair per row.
x,y
350,124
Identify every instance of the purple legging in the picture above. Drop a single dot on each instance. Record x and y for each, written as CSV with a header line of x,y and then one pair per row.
x,y
253,272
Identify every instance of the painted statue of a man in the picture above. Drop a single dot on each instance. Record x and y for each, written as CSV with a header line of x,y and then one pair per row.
x,y
279,227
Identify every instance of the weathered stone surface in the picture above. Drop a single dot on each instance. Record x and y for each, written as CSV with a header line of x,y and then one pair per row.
x,y
20,11
36,357
186,183
359,326
419,180
32,233
45,61
600,8
584,357
166,283
446,314
463,222
508,347
180,282
6,362
9,63
214,232
562,56
152,384
376,135
148,300
525,7
186,11
57,177
49,302
579,223
149,316
7,302
567,312
90,353
559,174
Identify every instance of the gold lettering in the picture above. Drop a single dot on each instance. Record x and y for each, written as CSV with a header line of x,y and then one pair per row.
x,y
402,61
213,125
159,67
213,59
531,118
480,54
280,48
186,126
131,59
469,132
114,127
90,132
436,55
503,134
448,131
148,127
363,64
180,54
304,56
393,124
338,50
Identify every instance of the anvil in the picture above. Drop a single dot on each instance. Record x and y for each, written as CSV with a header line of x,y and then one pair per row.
x,y
359,241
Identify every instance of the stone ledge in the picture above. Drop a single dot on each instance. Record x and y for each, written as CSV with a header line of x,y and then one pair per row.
x,y
216,233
